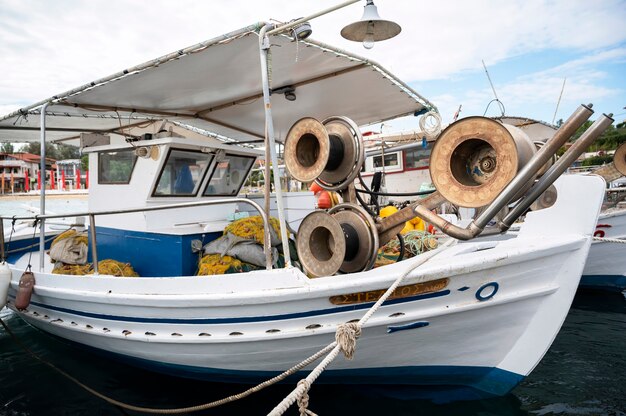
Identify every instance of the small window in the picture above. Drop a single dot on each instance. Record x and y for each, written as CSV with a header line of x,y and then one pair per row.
x,y
116,167
418,158
229,175
392,162
182,173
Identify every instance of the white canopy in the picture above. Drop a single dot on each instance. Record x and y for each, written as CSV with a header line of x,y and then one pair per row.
x,y
216,86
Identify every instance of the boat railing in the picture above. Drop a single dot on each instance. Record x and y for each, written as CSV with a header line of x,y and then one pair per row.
x,y
92,223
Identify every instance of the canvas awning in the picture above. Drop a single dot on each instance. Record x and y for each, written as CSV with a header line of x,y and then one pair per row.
x,y
216,86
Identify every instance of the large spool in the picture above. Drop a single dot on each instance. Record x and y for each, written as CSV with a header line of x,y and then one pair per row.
x,y
343,239
329,152
475,158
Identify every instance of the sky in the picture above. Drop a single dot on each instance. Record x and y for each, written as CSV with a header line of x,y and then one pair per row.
x,y
530,47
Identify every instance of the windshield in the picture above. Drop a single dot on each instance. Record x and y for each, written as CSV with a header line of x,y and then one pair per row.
x,y
182,173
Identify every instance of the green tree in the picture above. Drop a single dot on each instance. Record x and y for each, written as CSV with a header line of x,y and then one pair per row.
x,y
65,151
7,148
35,148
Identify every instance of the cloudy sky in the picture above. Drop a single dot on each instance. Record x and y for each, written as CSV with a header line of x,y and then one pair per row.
x,y
529,46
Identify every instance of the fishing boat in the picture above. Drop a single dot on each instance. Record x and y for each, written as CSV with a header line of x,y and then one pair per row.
x,y
463,321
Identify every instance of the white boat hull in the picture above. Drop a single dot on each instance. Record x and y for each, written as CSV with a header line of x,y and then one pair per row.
x,y
606,265
477,334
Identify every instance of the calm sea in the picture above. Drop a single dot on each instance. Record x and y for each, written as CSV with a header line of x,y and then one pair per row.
x,y
583,373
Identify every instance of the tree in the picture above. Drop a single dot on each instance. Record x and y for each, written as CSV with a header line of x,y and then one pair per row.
x,y
7,148
65,151
35,148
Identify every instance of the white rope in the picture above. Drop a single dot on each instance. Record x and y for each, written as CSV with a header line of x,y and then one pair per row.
x,y
609,240
433,128
346,340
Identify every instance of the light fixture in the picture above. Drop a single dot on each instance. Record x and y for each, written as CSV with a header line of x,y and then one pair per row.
x,y
371,28
301,32
288,91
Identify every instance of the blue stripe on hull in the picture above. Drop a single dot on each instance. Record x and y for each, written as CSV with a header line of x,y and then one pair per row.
x,y
242,319
436,383
613,283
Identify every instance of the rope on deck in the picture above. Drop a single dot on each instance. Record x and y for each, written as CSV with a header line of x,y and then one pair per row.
x,y
609,240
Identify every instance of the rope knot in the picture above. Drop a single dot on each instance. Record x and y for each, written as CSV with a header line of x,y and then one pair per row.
x,y
346,337
303,399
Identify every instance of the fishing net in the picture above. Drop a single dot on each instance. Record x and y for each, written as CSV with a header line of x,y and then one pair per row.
x,y
105,267
415,243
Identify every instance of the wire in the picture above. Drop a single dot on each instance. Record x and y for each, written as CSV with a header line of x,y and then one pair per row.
x,y
401,240
419,193
499,103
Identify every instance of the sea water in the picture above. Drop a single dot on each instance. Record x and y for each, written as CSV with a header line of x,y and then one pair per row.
x,y
583,373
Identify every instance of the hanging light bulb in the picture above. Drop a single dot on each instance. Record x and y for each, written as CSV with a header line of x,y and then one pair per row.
x,y
371,28
368,40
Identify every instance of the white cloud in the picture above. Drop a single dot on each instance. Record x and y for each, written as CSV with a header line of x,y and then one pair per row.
x,y
49,47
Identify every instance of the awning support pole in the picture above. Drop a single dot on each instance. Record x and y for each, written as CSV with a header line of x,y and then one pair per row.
x,y
264,46
42,197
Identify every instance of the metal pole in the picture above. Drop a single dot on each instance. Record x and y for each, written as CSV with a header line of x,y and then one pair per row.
x,y
592,133
1,240
42,197
264,46
287,26
92,237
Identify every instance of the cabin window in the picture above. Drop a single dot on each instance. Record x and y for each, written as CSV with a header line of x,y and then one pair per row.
x,y
417,158
229,175
116,167
392,162
182,173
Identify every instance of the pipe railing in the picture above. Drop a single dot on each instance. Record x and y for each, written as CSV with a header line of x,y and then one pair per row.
x,y
92,220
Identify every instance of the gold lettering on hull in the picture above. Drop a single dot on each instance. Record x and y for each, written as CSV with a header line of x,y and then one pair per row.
x,y
400,292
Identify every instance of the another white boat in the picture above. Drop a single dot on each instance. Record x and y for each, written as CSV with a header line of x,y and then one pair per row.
x,y
472,321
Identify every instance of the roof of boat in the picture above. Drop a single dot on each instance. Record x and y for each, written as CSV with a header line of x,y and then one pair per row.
x,y
216,86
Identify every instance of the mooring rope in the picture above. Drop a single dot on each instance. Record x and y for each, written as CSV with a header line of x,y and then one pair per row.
x,y
345,342
609,240
189,409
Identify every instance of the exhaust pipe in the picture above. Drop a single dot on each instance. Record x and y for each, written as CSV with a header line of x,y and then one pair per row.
x,y
565,161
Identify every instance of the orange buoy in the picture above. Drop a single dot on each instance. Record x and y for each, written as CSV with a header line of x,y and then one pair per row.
x,y
315,188
324,201
25,291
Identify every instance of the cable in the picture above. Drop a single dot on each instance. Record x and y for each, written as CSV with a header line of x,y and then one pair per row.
x,y
401,240
419,193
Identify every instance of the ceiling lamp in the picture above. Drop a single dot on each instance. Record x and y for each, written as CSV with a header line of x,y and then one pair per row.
x,y
371,28
302,31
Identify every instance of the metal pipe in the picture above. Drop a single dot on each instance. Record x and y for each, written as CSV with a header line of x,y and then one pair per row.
x,y
564,162
1,240
528,172
264,49
287,26
94,248
42,190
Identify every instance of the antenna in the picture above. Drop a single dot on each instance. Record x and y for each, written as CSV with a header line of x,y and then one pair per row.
x,y
559,101
493,89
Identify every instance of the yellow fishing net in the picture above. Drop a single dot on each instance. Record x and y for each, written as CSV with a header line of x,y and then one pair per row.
x,y
251,228
108,267
211,264
71,233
